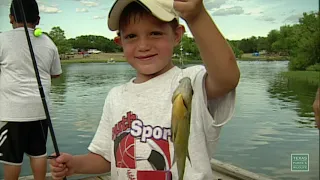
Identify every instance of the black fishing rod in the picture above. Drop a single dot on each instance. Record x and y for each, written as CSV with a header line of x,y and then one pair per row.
x,y
43,98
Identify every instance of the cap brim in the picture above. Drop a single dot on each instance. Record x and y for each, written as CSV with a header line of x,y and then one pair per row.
x,y
119,5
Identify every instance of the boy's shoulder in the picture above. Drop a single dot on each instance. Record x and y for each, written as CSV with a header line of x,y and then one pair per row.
x,y
116,90
194,69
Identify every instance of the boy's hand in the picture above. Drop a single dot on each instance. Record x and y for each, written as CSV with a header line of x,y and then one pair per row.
x,y
61,166
189,10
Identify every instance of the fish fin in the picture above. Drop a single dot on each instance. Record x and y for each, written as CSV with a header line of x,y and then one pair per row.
x,y
174,130
188,156
175,123
172,134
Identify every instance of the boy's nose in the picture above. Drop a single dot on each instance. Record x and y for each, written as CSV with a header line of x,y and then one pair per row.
x,y
144,45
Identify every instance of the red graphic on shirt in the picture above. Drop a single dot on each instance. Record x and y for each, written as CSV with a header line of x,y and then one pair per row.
x,y
131,129
154,175
125,153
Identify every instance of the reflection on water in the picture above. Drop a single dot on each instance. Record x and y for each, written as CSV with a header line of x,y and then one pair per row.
x,y
300,92
273,117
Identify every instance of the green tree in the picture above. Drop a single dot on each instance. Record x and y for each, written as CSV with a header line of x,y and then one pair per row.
x,y
272,37
234,45
189,48
307,52
101,43
58,37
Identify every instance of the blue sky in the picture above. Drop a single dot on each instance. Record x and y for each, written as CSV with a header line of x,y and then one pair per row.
x,y
236,19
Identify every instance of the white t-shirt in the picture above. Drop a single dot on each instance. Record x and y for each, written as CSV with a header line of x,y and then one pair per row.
x,y
19,94
135,128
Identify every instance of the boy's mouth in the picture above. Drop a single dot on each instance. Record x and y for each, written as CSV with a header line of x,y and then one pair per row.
x,y
147,57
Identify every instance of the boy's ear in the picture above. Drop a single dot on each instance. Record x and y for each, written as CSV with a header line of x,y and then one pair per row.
x,y
11,18
179,34
38,21
117,40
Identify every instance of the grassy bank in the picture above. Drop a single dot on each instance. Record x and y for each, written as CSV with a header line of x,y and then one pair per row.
x,y
175,61
89,61
312,77
117,57
249,57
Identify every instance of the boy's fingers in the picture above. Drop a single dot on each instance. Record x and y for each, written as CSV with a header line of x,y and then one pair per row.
x,y
59,175
58,169
54,163
64,158
182,6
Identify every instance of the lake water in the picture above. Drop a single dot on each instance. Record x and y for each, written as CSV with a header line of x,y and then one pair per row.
x,y
273,117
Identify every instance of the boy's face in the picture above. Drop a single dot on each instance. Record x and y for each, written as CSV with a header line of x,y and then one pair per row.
x,y
148,44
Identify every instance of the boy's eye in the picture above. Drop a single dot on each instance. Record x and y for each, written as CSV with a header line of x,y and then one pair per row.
x,y
130,36
156,33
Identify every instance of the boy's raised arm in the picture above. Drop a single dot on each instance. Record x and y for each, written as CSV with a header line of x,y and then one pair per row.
x,y
217,55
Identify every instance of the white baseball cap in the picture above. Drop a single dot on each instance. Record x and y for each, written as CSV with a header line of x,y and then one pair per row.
x,y
162,9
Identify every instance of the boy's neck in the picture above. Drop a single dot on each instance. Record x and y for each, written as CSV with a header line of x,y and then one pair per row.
x,y
141,78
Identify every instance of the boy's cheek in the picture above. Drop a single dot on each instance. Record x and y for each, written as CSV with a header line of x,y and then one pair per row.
x,y
128,53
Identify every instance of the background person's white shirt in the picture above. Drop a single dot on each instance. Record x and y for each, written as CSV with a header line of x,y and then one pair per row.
x,y
136,119
19,94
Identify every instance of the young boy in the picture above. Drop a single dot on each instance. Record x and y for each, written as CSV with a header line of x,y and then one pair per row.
x,y
133,137
23,128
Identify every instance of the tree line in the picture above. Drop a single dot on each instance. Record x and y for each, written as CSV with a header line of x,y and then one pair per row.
x,y
299,42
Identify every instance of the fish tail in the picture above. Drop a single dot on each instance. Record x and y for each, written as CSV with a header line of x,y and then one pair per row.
x,y
181,167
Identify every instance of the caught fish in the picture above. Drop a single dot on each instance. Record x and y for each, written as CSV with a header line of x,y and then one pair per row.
x,y
180,123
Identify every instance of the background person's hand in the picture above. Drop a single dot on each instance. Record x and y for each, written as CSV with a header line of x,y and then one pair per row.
x,y
316,108
61,166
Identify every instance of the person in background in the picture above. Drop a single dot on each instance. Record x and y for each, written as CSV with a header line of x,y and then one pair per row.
x,y
23,126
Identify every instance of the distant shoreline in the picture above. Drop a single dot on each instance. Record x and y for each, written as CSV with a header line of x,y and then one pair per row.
x,y
118,57
117,60
262,57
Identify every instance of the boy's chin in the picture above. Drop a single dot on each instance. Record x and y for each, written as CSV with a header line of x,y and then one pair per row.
x,y
152,71
149,72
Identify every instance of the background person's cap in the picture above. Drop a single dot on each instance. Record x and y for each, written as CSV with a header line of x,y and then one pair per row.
x,y
162,9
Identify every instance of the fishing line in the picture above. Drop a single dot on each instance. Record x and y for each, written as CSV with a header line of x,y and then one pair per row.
x,y
54,141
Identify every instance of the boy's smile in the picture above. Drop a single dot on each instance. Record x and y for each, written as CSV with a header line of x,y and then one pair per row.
x,y
148,45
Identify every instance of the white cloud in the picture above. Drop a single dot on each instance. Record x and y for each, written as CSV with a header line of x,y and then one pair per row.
x,y
236,10
99,17
293,18
266,18
81,10
213,4
49,9
89,3
254,11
